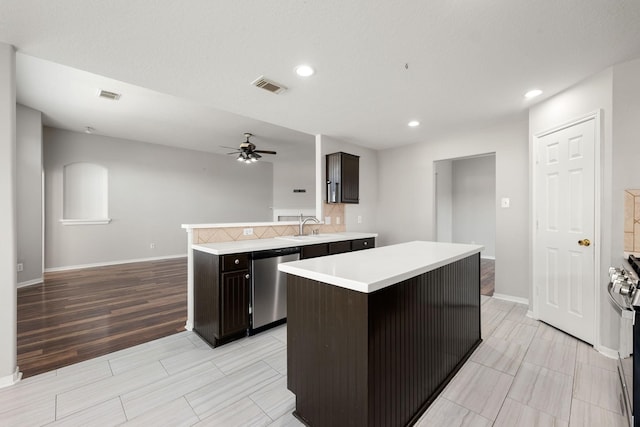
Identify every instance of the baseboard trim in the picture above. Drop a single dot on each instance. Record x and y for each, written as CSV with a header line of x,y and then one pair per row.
x,y
188,326
511,298
30,282
530,315
12,379
488,257
108,263
608,352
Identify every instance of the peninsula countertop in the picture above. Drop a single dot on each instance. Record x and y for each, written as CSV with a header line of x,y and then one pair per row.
x,y
374,269
253,245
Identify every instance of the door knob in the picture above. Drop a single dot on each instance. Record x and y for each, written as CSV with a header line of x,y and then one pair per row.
x,y
584,242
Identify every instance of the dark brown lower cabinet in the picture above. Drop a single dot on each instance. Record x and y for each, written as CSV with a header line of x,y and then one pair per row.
x,y
339,247
234,307
221,296
313,251
380,358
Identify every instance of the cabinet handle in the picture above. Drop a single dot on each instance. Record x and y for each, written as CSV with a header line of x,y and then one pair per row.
x,y
246,276
237,261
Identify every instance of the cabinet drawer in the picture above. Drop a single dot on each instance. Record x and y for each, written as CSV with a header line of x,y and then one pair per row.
x,y
312,251
339,247
357,245
235,262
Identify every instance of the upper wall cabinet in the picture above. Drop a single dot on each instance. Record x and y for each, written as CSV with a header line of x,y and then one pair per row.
x,y
343,178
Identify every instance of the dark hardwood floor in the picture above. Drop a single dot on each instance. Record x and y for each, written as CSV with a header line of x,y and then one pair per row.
x,y
81,314
487,276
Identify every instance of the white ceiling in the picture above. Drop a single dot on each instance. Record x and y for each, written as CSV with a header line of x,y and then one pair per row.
x,y
470,62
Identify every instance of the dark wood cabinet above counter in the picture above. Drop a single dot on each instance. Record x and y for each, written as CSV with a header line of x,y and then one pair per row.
x,y
343,178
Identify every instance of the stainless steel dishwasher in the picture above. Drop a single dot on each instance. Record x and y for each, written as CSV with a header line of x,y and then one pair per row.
x,y
269,287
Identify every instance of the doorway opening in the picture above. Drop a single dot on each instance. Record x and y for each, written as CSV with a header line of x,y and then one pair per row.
x,y
465,208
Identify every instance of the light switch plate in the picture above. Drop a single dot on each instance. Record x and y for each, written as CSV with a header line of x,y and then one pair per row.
x,y
247,231
359,219
505,202
327,220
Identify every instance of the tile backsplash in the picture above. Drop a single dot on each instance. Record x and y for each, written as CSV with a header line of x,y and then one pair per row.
x,y
632,220
231,234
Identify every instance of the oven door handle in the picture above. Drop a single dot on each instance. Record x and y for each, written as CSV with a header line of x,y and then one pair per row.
x,y
613,300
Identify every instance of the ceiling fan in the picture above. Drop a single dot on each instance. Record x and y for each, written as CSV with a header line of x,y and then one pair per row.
x,y
247,151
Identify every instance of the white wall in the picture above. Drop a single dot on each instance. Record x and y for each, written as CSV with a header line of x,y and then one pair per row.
x,y
8,276
444,200
406,194
474,202
153,189
29,193
595,93
368,191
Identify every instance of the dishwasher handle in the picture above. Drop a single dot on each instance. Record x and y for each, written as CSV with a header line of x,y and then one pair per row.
x,y
273,253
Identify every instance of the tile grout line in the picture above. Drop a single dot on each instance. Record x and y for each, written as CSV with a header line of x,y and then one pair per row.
x,y
506,396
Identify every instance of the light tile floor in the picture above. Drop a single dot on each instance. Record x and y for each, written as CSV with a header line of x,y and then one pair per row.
x,y
525,373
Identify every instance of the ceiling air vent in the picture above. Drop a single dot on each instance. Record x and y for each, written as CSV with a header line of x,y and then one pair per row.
x,y
108,95
269,85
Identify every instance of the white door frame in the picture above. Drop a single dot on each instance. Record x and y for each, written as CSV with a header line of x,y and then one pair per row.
x,y
535,263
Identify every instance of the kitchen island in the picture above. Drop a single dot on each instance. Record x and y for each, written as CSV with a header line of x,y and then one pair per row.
x,y
374,336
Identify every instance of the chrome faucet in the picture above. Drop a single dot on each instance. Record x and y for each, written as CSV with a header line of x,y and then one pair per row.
x,y
303,222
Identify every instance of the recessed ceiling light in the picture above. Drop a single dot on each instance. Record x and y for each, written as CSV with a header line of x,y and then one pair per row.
x,y
89,129
304,71
413,123
532,93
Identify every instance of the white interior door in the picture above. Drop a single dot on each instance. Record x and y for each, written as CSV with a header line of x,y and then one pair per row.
x,y
565,229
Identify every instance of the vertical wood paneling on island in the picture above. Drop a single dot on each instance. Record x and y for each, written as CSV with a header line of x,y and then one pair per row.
x,y
380,359
330,367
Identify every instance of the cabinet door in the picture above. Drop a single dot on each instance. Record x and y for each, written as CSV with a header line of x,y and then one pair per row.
x,y
234,302
350,178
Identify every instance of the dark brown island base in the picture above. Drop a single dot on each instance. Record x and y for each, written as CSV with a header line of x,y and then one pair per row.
x,y
373,337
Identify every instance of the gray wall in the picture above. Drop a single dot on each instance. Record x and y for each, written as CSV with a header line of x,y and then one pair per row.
x,y
29,193
474,202
291,174
406,194
368,191
8,312
153,189
444,200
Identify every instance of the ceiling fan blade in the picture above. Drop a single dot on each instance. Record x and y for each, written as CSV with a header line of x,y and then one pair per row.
x,y
235,152
230,148
264,152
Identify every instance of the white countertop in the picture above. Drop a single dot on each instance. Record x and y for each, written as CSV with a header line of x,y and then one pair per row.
x,y
276,243
373,269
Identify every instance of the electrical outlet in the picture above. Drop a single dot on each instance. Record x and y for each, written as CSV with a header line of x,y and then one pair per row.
x,y
247,231
359,219
152,245
327,220
505,202
20,267
337,220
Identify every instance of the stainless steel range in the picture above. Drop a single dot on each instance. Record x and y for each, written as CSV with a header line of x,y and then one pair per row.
x,y
624,292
